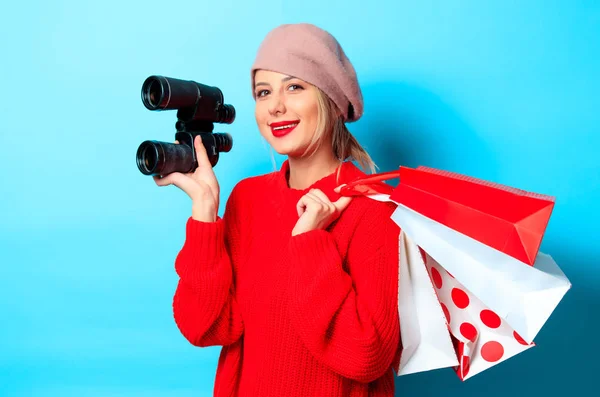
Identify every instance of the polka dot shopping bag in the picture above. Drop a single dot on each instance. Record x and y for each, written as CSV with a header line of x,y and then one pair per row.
x,y
474,290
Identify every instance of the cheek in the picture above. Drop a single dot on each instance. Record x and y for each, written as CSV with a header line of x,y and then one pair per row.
x,y
258,112
310,114
261,115
307,108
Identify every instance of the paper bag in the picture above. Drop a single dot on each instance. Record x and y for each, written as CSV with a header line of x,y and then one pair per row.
x,y
423,326
481,338
459,231
510,220
525,296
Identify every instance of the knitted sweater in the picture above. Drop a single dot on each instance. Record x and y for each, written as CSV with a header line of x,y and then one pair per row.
x,y
314,314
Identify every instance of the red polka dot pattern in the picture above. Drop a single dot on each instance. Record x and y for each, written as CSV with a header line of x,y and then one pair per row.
x,y
480,337
490,319
519,339
469,331
460,298
436,277
492,351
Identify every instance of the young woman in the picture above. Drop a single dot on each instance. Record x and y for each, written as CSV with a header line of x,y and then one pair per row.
x,y
298,284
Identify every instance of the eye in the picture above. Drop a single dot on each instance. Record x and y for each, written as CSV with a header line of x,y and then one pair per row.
x,y
260,93
295,85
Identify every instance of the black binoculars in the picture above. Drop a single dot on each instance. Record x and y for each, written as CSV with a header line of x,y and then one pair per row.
x,y
198,107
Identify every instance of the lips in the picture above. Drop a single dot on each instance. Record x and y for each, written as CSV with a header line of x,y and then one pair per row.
x,y
283,128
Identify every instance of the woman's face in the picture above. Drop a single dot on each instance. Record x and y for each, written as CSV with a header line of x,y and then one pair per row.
x,y
286,111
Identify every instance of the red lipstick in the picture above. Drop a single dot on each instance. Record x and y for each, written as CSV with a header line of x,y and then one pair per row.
x,y
283,128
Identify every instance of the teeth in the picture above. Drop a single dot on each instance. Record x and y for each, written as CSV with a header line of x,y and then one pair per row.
x,y
285,126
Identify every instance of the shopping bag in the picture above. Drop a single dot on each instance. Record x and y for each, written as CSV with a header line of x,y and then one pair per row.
x,y
424,333
511,220
481,338
452,220
525,296
424,325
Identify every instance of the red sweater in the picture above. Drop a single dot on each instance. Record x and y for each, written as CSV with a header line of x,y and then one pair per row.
x,y
310,315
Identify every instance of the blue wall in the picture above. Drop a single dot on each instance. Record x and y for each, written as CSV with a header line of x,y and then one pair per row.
x,y
507,91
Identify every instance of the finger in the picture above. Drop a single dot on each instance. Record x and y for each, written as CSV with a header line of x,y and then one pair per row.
x,y
301,205
163,180
342,203
176,179
337,189
321,202
319,193
316,197
305,202
201,155
323,199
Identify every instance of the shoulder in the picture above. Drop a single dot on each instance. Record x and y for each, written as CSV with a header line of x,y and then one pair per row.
x,y
366,210
370,229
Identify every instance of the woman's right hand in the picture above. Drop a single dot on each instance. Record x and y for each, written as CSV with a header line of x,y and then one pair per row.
x,y
201,185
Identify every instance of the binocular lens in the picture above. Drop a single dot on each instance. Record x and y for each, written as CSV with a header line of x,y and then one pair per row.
x,y
147,158
155,93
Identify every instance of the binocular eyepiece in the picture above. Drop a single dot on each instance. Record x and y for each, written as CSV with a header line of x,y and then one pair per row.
x,y
198,107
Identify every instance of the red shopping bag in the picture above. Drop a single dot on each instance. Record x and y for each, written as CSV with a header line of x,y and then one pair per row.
x,y
510,220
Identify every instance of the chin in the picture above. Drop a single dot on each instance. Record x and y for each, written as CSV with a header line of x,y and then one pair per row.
x,y
287,148
287,151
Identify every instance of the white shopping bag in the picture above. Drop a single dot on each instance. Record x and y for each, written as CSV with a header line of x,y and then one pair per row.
x,y
423,326
509,301
524,296
482,338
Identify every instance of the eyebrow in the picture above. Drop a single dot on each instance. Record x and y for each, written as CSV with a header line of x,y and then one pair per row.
x,y
283,80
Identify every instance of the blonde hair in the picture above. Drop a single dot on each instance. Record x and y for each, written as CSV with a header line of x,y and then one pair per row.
x,y
344,144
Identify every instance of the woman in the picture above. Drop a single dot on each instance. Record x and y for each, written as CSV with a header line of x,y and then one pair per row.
x,y
298,284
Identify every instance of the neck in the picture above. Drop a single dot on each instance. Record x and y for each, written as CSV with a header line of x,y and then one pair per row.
x,y
304,171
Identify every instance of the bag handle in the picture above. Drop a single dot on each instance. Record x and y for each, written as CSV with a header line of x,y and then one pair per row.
x,y
370,185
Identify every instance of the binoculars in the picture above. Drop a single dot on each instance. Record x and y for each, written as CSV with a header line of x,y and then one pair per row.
x,y
198,107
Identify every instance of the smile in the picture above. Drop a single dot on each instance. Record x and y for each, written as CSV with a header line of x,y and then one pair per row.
x,y
283,128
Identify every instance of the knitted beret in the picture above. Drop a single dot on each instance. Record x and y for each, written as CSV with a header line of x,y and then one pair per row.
x,y
310,53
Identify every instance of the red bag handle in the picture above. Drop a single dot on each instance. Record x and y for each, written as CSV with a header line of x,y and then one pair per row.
x,y
370,185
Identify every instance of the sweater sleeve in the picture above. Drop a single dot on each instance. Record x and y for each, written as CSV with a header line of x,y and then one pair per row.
x,y
205,306
349,319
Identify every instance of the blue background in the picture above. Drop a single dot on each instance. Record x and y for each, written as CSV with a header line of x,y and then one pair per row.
x,y
507,91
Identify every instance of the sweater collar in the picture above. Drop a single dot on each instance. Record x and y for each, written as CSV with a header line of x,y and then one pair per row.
x,y
348,172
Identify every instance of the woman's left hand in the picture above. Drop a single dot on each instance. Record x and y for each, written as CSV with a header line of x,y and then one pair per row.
x,y
316,211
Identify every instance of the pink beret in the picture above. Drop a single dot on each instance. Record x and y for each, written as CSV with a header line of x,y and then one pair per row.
x,y
312,54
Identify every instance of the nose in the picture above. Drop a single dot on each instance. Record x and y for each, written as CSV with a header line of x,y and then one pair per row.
x,y
276,105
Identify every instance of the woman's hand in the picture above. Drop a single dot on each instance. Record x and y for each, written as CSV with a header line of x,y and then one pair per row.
x,y
316,211
201,185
